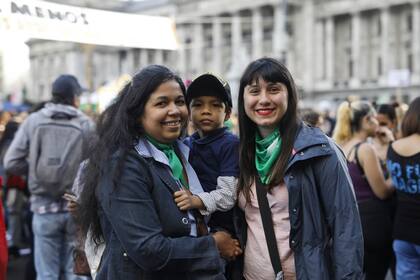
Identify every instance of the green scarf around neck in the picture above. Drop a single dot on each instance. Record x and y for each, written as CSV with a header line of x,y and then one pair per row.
x,y
267,151
174,160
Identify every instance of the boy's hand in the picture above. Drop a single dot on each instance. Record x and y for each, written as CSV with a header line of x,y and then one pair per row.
x,y
72,207
185,200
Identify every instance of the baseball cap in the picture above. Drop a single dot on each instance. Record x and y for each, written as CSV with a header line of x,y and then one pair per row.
x,y
66,86
209,84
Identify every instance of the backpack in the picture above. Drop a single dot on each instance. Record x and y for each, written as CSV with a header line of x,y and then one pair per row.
x,y
59,147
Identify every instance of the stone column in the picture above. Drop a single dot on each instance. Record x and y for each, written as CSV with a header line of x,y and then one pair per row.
x,y
279,30
144,58
181,58
236,35
257,33
197,50
355,49
320,59
217,45
329,50
384,45
158,57
416,44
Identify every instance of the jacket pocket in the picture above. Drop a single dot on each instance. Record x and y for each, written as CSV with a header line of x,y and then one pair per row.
x,y
129,269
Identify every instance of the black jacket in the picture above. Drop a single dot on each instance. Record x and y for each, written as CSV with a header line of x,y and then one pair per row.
x,y
326,235
146,235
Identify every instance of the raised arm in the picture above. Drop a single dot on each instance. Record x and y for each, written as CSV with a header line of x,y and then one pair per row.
x,y
369,161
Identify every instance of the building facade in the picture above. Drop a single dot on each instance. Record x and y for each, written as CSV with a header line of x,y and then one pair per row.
x,y
333,48
1,73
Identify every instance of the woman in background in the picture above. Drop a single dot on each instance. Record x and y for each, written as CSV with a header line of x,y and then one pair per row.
x,y
403,161
386,132
356,122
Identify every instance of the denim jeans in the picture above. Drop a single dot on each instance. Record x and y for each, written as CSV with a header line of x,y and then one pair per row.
x,y
408,260
54,241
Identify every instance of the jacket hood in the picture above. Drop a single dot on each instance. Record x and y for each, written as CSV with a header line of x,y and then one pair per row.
x,y
52,108
310,143
309,136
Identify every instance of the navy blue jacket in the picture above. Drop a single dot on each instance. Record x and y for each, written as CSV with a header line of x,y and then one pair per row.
x,y
146,235
326,234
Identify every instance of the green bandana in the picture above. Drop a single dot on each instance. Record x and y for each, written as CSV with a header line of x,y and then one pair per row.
x,y
266,152
174,161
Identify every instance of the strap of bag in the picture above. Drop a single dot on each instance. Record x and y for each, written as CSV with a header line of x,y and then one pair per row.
x,y
267,221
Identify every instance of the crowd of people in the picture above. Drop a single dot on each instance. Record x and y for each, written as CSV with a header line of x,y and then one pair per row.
x,y
160,186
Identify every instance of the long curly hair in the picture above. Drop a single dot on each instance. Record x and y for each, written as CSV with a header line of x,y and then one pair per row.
x,y
118,129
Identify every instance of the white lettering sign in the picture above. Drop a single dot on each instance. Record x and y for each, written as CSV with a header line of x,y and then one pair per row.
x,y
51,21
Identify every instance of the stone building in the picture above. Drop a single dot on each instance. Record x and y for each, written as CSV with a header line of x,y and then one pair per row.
x,y
333,48
1,73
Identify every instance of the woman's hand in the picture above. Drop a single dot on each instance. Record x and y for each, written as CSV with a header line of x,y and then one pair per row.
x,y
228,247
185,200
384,135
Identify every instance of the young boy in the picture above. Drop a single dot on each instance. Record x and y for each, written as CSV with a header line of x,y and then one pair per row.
x,y
213,152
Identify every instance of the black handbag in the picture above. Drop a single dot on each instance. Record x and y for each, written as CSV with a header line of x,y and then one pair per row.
x,y
270,236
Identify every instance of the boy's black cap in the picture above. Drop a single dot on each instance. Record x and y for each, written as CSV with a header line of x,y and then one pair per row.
x,y
66,86
209,84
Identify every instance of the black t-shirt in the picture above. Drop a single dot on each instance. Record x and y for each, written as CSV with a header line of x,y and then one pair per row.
x,y
405,174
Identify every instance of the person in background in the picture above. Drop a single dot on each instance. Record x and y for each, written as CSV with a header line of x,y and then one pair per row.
x,y
127,198
48,147
312,118
15,193
3,243
403,161
304,178
386,133
356,122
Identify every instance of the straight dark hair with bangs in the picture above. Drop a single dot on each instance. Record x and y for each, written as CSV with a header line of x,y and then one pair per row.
x,y
269,70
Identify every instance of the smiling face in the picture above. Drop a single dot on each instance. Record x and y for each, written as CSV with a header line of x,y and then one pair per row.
x,y
207,114
265,103
165,113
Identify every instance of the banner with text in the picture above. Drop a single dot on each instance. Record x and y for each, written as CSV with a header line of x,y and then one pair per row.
x,y
51,21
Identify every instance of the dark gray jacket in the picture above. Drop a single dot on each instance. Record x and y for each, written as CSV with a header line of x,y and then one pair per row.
x,y
147,237
326,234
22,155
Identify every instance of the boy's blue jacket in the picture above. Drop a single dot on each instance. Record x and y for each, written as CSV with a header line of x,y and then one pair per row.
x,y
326,235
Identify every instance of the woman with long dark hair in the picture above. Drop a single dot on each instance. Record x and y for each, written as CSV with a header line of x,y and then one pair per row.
x,y
300,175
386,132
356,122
129,182
403,161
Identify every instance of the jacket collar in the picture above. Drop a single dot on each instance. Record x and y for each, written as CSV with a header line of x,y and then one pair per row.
x,y
52,108
147,150
216,134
